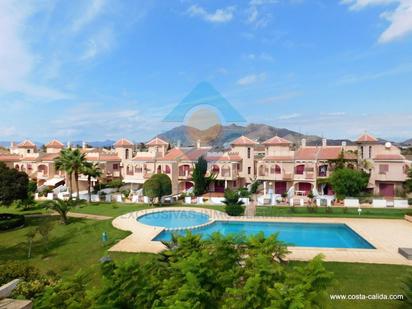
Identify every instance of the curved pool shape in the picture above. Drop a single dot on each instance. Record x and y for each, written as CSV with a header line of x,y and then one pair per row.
x,y
323,235
174,219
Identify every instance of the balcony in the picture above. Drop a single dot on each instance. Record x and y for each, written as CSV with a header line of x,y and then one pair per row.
x,y
42,175
185,174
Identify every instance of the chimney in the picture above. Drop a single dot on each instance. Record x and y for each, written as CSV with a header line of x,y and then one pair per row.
x,y
324,142
179,143
84,145
69,145
12,145
344,144
303,143
198,144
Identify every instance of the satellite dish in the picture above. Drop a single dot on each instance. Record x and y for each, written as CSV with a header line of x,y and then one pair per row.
x,y
388,145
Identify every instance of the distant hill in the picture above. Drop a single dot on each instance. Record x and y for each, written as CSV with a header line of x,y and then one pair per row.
x,y
408,142
258,132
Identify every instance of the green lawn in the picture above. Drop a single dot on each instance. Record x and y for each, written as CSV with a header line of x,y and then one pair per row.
x,y
354,278
279,211
71,247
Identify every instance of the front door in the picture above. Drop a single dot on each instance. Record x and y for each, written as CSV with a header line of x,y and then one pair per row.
x,y
387,189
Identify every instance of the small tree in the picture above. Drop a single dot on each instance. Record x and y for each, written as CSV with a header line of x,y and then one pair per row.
x,y
199,176
62,207
90,170
157,186
233,204
408,182
14,185
348,182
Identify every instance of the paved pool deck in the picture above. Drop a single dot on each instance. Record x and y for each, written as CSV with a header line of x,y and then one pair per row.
x,y
386,235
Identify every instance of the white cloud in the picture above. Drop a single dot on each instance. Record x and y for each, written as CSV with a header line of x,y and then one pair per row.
x,y
218,16
289,116
400,18
251,79
99,43
94,9
17,61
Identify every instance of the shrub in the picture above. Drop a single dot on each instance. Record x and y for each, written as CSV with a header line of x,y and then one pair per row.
x,y
233,204
234,210
45,191
328,210
254,187
32,281
116,184
244,192
410,202
11,221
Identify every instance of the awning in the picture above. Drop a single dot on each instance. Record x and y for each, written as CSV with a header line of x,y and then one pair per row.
x,y
53,181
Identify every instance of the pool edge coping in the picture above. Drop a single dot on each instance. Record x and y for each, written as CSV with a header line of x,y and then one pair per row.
x,y
141,238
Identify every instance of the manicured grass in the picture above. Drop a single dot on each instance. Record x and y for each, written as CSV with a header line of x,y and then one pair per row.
x,y
279,211
117,209
71,247
354,278
13,210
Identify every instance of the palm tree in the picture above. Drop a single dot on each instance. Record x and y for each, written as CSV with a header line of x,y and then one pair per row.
x,y
78,160
63,163
62,207
91,170
71,161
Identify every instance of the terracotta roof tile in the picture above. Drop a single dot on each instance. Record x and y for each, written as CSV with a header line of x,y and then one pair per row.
x,y
366,138
388,157
243,140
276,140
307,153
278,158
26,144
332,153
9,158
123,143
157,142
55,144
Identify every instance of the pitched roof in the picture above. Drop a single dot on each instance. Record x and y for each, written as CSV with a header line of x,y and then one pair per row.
x,y
276,140
224,157
184,154
102,157
307,153
55,144
243,140
9,158
157,142
48,156
26,144
123,143
333,152
278,158
389,157
366,138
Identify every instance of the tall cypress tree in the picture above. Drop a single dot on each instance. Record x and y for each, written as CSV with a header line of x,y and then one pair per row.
x,y
199,176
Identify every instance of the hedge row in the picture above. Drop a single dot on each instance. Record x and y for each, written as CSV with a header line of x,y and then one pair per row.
x,y
10,221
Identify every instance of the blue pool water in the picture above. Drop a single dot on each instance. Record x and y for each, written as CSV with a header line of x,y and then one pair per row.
x,y
174,219
294,234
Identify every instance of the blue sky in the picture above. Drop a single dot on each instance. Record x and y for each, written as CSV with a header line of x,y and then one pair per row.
x,y
98,69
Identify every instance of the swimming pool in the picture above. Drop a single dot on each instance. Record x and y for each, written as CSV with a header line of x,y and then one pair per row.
x,y
174,219
323,235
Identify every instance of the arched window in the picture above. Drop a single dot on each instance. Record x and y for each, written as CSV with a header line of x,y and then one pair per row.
x,y
129,170
275,169
126,154
215,169
159,169
167,169
300,169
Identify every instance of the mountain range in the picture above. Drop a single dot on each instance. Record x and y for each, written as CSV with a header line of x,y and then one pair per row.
x,y
187,136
